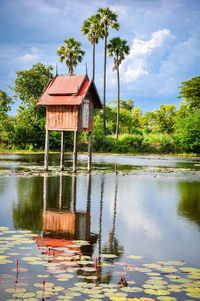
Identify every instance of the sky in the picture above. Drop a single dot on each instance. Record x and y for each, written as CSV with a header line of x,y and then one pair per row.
x,y
163,35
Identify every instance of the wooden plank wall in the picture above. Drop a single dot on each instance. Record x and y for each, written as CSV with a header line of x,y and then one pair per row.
x,y
59,222
62,118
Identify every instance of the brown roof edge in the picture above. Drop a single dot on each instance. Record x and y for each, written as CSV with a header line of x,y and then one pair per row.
x,y
46,88
81,85
100,106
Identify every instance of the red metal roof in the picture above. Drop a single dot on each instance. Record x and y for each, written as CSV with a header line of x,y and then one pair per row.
x,y
64,85
69,90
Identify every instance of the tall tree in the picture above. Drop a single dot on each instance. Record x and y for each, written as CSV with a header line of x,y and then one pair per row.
x,y
94,31
190,91
108,18
118,48
71,54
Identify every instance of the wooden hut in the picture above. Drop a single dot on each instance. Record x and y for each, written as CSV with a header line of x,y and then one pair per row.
x,y
70,103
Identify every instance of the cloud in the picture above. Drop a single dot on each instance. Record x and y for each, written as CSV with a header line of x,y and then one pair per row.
x,y
28,58
136,64
119,9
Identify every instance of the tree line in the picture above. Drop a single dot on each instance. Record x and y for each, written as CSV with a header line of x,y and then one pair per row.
x,y
167,129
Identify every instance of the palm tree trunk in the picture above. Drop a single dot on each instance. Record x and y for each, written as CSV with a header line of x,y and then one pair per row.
x,y
104,85
118,88
93,61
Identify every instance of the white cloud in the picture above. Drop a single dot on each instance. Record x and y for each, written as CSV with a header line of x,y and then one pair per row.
x,y
119,9
136,63
28,58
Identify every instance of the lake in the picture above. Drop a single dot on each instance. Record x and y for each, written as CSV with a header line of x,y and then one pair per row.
x,y
128,231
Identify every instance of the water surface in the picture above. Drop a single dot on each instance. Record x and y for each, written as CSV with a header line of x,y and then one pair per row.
x,y
140,209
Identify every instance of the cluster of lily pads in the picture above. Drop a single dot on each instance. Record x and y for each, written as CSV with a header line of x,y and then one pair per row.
x,y
81,279
27,170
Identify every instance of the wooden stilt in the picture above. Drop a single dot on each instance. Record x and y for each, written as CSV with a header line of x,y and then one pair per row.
x,y
62,151
73,193
45,193
75,151
88,217
46,156
90,152
61,192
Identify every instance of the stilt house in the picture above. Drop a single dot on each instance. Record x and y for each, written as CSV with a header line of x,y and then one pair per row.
x,y
70,103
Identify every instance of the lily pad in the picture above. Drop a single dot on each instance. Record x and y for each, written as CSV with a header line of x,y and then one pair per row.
x,y
108,255
134,257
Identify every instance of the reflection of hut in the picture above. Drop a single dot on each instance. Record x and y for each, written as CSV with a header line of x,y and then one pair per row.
x,y
70,103
68,224
61,227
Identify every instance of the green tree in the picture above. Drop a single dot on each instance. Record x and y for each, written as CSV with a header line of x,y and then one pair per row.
x,y
5,102
29,86
124,104
71,54
29,124
187,129
190,91
94,31
6,122
108,18
118,48
164,119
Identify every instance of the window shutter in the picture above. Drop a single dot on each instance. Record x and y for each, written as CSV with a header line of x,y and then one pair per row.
x,y
85,114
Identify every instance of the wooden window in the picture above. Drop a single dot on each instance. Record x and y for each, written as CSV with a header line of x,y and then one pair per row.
x,y
85,113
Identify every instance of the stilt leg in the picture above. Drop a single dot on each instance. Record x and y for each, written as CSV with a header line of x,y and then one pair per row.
x,y
90,152
75,151
62,151
46,156
61,192
74,193
45,193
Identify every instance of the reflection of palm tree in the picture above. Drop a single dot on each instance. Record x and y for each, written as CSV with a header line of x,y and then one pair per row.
x,y
100,216
113,246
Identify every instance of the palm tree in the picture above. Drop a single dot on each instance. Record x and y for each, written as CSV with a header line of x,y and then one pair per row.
x,y
94,31
108,18
71,54
118,48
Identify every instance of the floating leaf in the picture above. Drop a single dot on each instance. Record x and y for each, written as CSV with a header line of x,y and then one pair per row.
x,y
47,284
131,289
108,255
156,292
15,290
194,295
166,298
134,257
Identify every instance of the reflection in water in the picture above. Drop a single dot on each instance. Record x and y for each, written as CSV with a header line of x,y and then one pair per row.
x,y
61,226
100,217
113,247
27,212
189,204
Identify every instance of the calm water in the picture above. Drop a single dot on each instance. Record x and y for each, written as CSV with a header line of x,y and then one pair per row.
x,y
137,210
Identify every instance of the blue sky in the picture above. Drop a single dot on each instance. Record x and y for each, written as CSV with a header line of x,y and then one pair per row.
x,y
164,37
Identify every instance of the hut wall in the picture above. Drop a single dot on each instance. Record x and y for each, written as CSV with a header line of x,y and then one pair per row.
x,y
62,118
59,222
